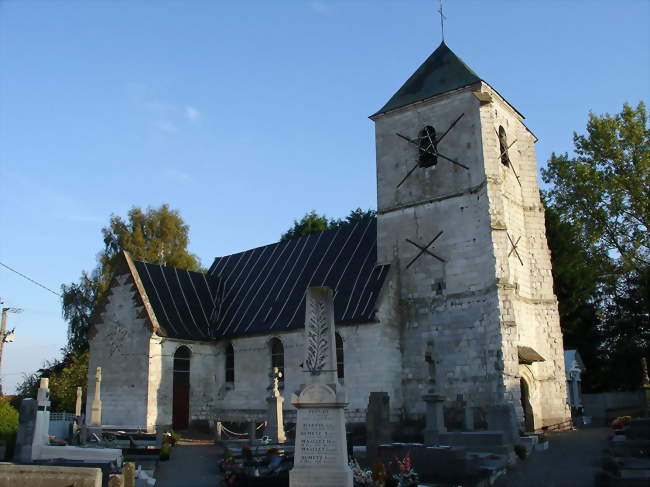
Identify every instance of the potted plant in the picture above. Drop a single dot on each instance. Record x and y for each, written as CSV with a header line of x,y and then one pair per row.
x,y
165,449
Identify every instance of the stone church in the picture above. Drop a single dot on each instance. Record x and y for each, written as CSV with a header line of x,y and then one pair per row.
x,y
450,284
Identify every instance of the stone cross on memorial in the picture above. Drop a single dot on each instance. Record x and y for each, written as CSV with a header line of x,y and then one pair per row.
x,y
320,458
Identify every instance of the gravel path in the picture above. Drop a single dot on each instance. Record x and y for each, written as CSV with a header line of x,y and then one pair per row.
x,y
192,464
572,460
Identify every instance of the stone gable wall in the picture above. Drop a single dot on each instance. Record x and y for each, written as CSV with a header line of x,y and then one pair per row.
x,y
120,346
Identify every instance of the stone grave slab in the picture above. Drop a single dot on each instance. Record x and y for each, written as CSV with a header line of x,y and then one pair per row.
x,y
48,476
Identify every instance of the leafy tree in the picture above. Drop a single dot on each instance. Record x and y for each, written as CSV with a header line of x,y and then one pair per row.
x,y
626,332
78,302
65,376
29,386
312,222
575,283
605,190
64,381
600,201
157,235
8,426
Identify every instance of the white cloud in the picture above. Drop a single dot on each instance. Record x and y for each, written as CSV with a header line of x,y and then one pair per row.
x,y
192,114
165,126
320,6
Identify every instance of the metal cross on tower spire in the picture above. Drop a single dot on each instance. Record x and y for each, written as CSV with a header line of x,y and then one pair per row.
x,y
442,22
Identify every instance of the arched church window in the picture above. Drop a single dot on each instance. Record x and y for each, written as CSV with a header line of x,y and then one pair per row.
x,y
230,363
503,147
340,369
428,146
277,356
182,359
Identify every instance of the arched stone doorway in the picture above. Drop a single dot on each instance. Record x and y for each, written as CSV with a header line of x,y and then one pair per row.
x,y
181,389
529,419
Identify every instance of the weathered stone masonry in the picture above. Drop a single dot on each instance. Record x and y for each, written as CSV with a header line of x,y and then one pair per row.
x,y
480,294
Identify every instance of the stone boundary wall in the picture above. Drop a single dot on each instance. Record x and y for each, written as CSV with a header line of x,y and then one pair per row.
x,y
598,405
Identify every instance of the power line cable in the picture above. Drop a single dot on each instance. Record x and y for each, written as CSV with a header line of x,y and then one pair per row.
x,y
30,279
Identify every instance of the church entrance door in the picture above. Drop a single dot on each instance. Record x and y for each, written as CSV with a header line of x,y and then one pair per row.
x,y
529,421
181,389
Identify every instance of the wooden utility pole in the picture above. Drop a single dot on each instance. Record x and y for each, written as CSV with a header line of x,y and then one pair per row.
x,y
4,336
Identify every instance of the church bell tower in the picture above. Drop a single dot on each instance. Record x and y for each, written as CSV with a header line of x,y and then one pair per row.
x,y
461,222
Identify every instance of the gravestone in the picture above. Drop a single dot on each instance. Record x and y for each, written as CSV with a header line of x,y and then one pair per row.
x,y
96,409
274,418
42,424
645,385
77,413
377,423
77,406
218,431
435,413
25,436
320,458
251,430
129,474
468,414
501,417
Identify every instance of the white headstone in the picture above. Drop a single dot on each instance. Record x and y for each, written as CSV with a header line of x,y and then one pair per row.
x,y
77,406
96,409
320,458
42,425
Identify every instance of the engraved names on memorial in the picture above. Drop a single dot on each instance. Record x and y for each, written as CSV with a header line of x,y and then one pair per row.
x,y
318,437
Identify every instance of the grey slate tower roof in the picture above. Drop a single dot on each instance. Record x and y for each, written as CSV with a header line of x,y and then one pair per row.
x,y
442,71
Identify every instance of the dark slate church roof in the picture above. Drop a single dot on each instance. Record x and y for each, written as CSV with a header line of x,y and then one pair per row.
x,y
443,71
183,301
263,289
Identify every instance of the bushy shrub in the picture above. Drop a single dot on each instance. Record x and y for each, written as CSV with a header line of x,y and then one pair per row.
x,y
8,426
165,450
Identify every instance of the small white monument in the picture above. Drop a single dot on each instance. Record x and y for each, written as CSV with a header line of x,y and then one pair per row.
x,y
42,423
96,409
274,417
77,405
77,411
320,458
42,450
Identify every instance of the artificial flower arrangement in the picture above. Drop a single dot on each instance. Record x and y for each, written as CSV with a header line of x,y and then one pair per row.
x,y
621,422
53,440
232,470
404,475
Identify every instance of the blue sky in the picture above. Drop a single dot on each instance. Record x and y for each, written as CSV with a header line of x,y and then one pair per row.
x,y
245,115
